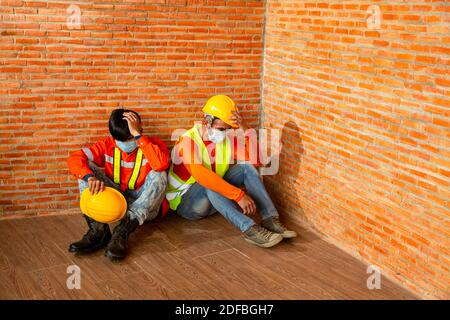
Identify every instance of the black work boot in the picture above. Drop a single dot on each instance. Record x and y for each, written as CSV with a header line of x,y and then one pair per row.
x,y
118,246
96,238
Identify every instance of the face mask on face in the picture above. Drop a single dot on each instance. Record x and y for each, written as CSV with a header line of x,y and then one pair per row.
x,y
216,136
127,147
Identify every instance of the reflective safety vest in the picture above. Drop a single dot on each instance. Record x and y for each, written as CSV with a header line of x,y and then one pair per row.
x,y
136,169
177,186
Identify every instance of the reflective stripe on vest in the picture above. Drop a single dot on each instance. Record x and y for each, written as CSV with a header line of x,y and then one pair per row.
x,y
136,169
117,159
177,186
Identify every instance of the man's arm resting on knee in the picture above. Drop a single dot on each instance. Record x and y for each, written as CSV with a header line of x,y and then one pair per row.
x,y
78,161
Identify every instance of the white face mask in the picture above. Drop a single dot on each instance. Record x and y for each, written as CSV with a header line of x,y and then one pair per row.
x,y
127,147
216,136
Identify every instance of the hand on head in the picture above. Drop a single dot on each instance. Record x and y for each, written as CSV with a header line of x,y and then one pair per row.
x,y
134,124
237,119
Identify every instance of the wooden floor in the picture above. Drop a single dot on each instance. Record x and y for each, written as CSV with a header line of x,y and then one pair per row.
x,y
178,259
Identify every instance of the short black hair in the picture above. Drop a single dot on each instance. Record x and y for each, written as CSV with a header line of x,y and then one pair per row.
x,y
119,127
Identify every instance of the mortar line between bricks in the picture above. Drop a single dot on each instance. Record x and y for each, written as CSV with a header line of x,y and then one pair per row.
x,y
261,114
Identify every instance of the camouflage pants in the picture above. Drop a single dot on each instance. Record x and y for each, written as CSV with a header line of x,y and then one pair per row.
x,y
144,203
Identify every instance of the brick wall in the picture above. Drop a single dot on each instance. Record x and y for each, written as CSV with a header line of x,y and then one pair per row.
x,y
365,117
58,84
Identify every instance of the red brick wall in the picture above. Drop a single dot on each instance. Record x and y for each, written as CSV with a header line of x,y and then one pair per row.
x,y
365,117
58,85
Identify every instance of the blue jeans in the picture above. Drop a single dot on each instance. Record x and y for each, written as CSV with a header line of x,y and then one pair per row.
x,y
199,202
144,203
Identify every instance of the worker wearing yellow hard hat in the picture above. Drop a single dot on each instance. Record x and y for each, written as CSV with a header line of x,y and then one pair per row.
x,y
223,108
121,179
204,177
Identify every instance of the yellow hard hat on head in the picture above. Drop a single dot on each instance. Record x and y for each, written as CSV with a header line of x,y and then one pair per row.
x,y
107,207
220,106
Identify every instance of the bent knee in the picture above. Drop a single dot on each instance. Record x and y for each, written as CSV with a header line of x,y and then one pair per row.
x,y
158,175
200,208
158,178
248,166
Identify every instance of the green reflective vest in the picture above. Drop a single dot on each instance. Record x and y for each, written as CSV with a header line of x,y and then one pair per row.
x,y
177,186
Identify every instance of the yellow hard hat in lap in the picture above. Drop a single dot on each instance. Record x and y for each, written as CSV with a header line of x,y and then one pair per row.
x,y
107,207
221,106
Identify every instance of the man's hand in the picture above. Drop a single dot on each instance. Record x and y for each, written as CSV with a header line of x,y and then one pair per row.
x,y
95,185
247,205
134,125
236,118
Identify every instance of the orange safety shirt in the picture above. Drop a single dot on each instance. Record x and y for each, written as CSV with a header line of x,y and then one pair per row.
x,y
155,157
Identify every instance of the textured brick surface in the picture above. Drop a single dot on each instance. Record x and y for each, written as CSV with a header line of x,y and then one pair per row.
x,y
365,116
58,85
364,112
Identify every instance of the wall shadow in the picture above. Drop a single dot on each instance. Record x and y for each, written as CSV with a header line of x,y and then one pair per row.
x,y
283,185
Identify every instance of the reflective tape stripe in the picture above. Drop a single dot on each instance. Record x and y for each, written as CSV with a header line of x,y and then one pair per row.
x,y
184,186
88,154
124,164
171,195
116,164
109,159
177,193
194,134
223,157
174,181
136,170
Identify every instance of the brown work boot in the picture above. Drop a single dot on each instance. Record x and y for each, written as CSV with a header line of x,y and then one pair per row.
x,y
262,237
273,224
118,246
96,238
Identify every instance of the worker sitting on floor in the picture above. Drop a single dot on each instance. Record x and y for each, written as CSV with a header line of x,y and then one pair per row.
x,y
134,165
202,182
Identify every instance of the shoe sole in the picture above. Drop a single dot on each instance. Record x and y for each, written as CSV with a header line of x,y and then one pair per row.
x,y
267,244
113,257
289,235
90,250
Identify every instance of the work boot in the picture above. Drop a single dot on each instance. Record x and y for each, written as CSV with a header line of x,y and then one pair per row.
x,y
118,246
273,224
262,237
96,238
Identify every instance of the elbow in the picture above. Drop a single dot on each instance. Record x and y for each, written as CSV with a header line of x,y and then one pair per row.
x,y
71,159
199,177
162,166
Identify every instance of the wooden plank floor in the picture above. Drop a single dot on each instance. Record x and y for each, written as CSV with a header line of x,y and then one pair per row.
x,y
178,259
